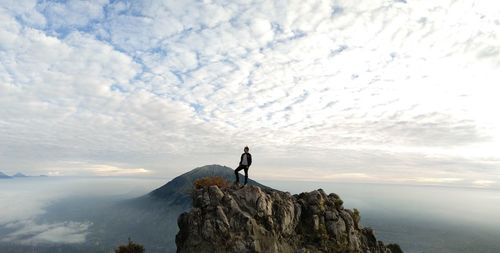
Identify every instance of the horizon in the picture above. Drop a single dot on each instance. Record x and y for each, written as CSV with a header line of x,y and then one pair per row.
x,y
389,92
263,180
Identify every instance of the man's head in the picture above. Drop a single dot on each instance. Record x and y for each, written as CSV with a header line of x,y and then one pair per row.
x,y
246,149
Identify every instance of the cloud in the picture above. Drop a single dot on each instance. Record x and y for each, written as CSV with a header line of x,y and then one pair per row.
x,y
438,180
79,168
112,170
18,217
483,183
29,198
29,232
71,14
169,86
39,210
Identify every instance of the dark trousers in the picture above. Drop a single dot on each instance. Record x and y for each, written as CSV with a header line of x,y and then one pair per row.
x,y
241,167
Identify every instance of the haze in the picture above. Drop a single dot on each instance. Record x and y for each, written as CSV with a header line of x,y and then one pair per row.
x,y
83,214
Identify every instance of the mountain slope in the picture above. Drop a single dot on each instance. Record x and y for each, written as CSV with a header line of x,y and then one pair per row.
x,y
178,190
4,176
19,174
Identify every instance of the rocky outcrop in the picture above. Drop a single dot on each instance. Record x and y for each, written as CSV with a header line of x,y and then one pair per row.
x,y
251,219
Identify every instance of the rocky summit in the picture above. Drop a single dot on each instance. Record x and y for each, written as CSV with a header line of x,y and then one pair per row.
x,y
252,219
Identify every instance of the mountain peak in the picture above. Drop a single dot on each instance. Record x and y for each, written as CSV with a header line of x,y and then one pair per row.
x,y
178,190
251,219
19,174
3,175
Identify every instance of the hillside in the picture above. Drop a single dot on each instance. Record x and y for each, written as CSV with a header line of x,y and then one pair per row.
x,y
178,190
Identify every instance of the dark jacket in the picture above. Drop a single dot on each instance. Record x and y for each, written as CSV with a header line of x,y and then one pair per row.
x,y
249,159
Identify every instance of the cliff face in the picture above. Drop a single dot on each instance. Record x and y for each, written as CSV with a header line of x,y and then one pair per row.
x,y
255,220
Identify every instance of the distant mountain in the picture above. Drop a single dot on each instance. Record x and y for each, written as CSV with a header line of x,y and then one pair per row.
x,y
4,176
178,191
19,174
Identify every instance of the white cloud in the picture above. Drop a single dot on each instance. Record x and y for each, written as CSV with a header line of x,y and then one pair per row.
x,y
30,232
30,205
162,85
483,183
438,180
61,15
80,168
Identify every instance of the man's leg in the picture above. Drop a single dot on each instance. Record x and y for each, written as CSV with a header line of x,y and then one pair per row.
x,y
246,174
237,174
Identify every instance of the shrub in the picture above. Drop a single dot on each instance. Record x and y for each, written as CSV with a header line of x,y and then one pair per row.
x,y
131,247
356,216
395,248
209,181
338,203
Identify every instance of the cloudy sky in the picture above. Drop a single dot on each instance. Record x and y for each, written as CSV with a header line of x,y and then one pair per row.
x,y
377,91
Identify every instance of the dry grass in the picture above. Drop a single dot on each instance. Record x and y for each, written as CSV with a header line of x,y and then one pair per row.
x,y
208,181
131,247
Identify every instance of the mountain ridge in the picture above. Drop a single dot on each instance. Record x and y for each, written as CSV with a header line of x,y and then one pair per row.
x,y
19,174
4,176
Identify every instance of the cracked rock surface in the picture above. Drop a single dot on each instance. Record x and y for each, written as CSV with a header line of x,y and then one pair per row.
x,y
251,219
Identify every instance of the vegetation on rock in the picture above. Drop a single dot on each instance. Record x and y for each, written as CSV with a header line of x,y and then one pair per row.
x,y
395,248
131,247
205,182
338,203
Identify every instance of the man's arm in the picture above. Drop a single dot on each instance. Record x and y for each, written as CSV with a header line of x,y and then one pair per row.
x,y
241,158
249,159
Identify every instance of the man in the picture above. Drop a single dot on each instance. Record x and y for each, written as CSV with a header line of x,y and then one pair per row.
x,y
245,162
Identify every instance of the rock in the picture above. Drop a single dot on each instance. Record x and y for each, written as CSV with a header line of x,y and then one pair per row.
x,y
395,248
251,219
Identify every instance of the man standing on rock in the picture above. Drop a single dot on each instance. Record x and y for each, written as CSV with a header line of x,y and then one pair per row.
x,y
245,162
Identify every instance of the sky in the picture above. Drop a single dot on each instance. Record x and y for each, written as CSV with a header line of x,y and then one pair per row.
x,y
367,91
